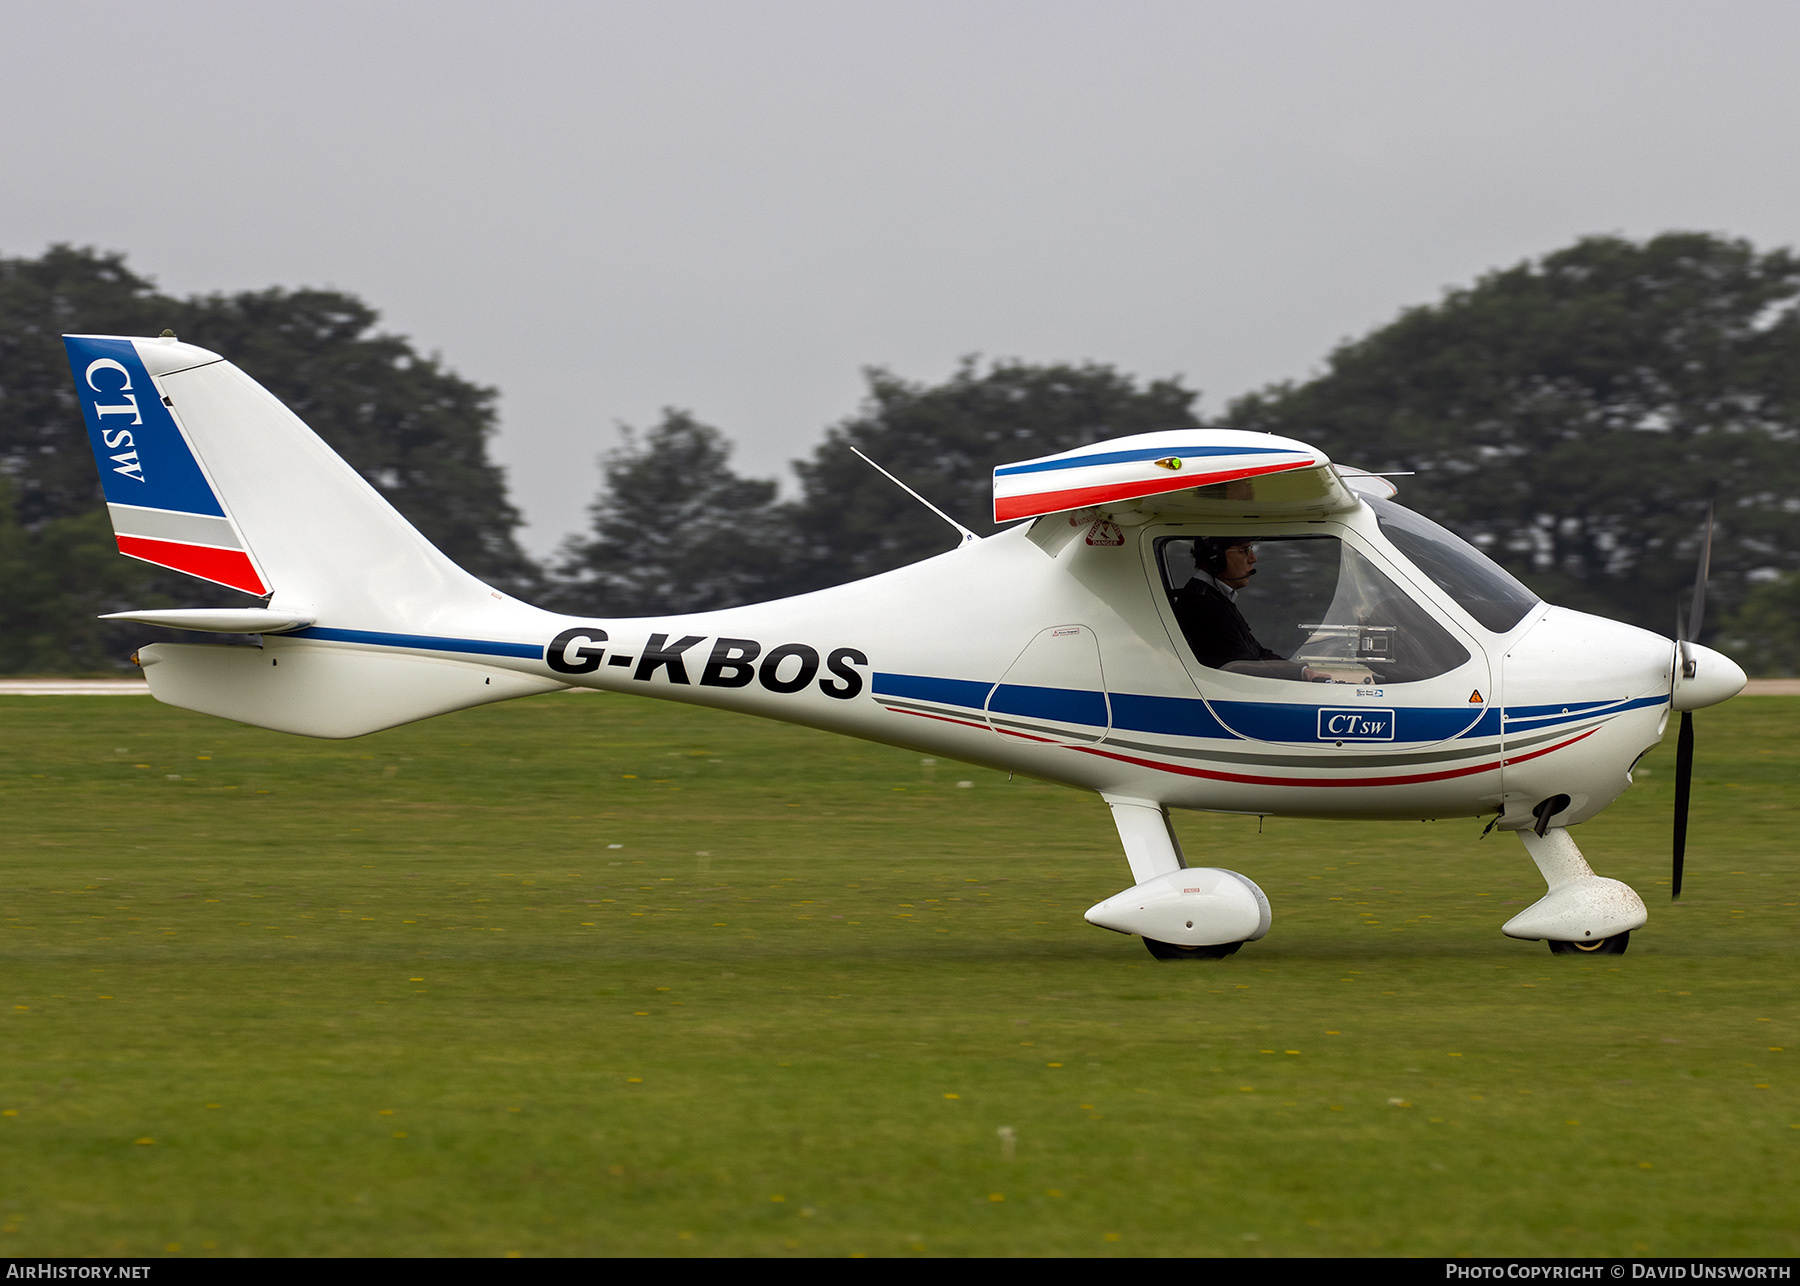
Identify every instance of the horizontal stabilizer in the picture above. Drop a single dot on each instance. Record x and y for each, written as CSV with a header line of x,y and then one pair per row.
x,y
1146,464
216,620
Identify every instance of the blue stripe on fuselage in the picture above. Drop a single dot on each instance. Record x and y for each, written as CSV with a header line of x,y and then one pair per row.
x,y
1249,720
1173,716
1064,705
1278,721
919,687
422,642
1525,718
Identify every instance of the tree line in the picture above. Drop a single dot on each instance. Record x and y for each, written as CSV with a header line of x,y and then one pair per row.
x,y
1573,415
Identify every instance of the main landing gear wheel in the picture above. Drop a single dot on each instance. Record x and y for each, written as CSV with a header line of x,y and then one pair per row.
x,y
1171,951
1613,946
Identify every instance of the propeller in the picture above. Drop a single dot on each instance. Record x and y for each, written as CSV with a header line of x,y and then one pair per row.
x,y
1686,632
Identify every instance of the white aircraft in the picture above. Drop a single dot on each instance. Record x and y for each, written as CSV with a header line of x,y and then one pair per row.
x,y
1110,639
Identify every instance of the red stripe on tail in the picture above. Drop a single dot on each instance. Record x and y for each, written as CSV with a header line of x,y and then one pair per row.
x,y
223,566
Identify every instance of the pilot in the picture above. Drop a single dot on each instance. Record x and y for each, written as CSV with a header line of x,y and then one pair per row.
x,y
1206,608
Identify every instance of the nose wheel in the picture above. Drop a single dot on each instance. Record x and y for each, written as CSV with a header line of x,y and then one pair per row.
x,y
1613,946
1173,951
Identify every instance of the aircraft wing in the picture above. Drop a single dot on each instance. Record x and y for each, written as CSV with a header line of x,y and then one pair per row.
x,y
1152,464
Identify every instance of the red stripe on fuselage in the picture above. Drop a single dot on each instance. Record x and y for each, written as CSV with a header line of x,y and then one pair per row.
x,y
961,723
223,566
964,723
1246,779
1008,508
1410,779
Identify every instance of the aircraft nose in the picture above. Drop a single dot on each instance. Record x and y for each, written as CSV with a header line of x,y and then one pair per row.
x,y
1570,655
1716,678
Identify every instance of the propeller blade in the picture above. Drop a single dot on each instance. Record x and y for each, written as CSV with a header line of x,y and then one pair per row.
x,y
1687,631
1684,778
1697,613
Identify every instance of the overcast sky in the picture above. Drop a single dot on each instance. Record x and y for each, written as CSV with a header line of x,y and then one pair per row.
x,y
604,209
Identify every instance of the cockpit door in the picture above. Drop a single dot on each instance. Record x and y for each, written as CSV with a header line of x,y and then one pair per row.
x,y
1344,653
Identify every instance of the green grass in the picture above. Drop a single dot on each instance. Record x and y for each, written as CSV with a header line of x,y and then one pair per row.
x,y
402,995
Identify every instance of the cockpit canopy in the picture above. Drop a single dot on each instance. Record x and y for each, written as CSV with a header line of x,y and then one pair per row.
x,y
1316,610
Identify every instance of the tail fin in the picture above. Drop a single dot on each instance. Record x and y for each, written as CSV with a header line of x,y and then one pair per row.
x,y
207,473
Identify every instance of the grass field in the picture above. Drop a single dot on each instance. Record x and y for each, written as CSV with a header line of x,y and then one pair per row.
x,y
586,975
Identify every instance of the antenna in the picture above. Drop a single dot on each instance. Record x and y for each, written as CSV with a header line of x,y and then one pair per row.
x,y
968,537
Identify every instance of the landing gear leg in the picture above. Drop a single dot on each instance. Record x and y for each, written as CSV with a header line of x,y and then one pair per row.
x,y
1583,913
1150,843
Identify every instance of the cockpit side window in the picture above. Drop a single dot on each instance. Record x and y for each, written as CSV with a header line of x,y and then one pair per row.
x,y
1310,609
1480,586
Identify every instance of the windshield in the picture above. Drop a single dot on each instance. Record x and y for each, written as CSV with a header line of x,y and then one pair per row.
x,y
1310,609
1480,586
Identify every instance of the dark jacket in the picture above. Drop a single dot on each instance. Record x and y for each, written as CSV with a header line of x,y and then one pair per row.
x,y
1220,636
